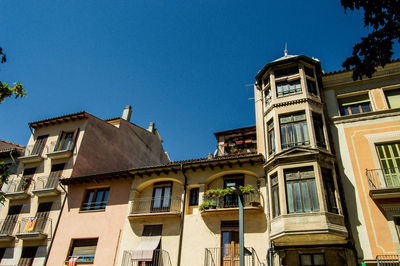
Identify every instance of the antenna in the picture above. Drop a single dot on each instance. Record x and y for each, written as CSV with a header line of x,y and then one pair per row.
x,y
286,51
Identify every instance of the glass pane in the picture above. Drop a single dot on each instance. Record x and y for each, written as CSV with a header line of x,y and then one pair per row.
x,y
105,198
167,197
314,196
298,141
99,198
157,198
285,89
290,135
305,133
319,259
67,141
355,109
393,98
306,197
275,196
297,197
283,137
89,199
289,196
305,260
366,107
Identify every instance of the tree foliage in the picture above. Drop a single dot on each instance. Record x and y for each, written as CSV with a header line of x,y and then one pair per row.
x,y
7,91
383,18
3,178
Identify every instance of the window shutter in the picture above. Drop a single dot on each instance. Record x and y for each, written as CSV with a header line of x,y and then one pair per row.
x,y
393,98
74,139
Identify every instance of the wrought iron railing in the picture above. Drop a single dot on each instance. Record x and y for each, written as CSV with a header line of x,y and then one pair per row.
x,y
7,226
19,184
45,182
160,258
55,146
229,256
232,201
156,205
383,178
35,225
32,150
387,260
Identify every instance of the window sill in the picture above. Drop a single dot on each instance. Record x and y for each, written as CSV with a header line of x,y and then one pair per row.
x,y
86,211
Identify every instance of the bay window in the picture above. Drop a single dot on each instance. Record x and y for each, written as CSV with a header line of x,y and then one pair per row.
x,y
271,137
294,130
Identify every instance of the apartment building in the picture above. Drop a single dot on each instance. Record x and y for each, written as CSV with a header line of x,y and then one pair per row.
x,y
364,119
61,147
306,218
9,153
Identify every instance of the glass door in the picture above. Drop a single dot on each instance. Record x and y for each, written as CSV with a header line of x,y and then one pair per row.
x,y
161,201
230,248
389,158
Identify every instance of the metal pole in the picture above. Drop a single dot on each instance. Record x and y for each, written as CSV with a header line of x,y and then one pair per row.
x,y
241,231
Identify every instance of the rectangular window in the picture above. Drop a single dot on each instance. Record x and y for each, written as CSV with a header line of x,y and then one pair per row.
x,y
287,88
301,191
319,130
83,249
271,137
42,215
232,201
389,158
194,197
294,130
309,71
27,256
95,199
397,224
26,179
66,141
268,96
312,87
286,72
39,145
266,81
354,105
275,196
152,230
393,98
329,186
55,174
312,260
161,197
7,228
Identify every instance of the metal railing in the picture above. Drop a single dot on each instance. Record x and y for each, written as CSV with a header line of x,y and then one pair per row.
x,y
35,225
7,226
229,256
32,150
95,205
160,258
81,258
383,178
387,260
55,146
232,201
45,182
156,205
17,185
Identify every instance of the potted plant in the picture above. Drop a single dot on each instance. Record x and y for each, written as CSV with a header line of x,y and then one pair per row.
x,y
26,182
204,206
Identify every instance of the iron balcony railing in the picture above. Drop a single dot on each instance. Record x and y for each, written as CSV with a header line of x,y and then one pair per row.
x,y
55,146
35,225
160,258
229,256
7,226
387,260
19,184
232,201
156,205
33,150
383,178
46,182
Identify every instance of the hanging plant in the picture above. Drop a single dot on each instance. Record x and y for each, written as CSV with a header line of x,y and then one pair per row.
x,y
26,182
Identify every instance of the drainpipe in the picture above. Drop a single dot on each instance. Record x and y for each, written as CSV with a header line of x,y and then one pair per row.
x,y
182,217
56,226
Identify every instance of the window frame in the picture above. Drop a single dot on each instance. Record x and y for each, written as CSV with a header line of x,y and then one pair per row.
x,y
163,186
390,91
73,245
61,140
305,138
92,202
39,145
312,259
313,90
271,137
330,190
276,206
280,91
194,199
320,139
352,102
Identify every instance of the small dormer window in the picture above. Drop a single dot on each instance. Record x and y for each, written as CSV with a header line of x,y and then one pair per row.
x,y
287,88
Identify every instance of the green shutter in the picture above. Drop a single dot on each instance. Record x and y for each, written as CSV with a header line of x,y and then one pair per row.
x,y
389,158
393,98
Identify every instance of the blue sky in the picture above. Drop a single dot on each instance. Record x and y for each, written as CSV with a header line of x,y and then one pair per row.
x,y
186,65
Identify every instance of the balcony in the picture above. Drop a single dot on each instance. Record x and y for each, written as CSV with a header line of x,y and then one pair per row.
x,y
56,151
18,189
387,260
7,230
32,154
239,146
384,183
215,203
160,258
46,186
34,228
155,207
229,256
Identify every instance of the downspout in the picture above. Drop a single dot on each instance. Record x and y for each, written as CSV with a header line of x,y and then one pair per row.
x,y
182,217
56,226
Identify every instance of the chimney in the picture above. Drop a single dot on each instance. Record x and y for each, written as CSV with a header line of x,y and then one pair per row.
x,y
151,127
126,114
210,156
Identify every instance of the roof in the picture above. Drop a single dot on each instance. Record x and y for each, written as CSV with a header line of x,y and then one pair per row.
x,y
283,60
170,166
59,119
6,146
236,130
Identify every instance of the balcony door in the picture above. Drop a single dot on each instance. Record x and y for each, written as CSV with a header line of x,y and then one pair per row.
x,y
11,220
42,215
389,158
230,248
231,201
161,201
55,174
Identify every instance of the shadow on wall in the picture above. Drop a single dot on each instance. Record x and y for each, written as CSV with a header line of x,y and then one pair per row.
x,y
253,222
349,199
170,226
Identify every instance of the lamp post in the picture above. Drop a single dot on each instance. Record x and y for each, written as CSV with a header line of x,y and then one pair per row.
x,y
239,193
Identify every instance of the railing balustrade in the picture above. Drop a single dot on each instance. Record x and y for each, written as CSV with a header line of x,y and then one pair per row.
x,y
160,258
7,226
45,182
54,146
35,225
17,185
230,257
383,178
388,260
156,205
232,201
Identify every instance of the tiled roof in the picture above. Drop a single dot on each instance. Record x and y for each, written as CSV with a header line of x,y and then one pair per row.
x,y
7,146
351,69
36,123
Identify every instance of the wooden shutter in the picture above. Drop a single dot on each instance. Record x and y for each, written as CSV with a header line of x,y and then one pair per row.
x,y
27,256
59,139
42,215
11,219
55,174
39,145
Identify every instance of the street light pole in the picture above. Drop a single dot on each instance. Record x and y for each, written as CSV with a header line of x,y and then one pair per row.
x,y
241,228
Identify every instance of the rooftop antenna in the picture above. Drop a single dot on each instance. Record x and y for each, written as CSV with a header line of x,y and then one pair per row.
x,y
285,49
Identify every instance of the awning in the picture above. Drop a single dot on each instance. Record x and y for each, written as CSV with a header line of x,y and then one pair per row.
x,y
144,252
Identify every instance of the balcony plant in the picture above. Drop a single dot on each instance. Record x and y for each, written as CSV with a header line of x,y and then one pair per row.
x,y
204,206
26,182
